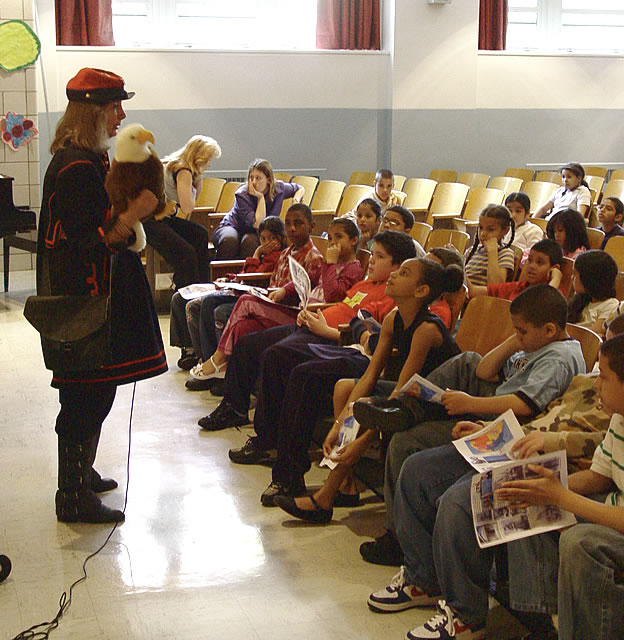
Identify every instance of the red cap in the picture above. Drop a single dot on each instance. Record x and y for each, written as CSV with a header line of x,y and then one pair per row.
x,y
96,86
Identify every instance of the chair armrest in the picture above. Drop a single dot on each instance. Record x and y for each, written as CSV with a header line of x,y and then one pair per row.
x,y
323,212
319,306
204,210
253,277
218,268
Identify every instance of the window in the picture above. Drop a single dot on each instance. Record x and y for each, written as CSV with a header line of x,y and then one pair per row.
x,y
215,24
566,25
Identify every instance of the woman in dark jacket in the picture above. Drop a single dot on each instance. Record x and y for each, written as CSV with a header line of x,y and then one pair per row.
x,y
82,250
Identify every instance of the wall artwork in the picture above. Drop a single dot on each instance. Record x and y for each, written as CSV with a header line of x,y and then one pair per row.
x,y
16,130
19,45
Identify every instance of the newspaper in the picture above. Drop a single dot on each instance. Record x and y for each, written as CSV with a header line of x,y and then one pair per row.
x,y
200,290
301,280
491,446
348,432
369,322
420,387
496,522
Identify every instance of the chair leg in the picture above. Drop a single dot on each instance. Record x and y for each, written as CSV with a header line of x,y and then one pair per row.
x,y
6,249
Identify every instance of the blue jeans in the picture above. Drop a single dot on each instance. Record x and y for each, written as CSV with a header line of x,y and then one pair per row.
x,y
579,573
423,483
432,425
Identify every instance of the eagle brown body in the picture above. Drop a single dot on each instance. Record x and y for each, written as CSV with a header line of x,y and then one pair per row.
x,y
126,180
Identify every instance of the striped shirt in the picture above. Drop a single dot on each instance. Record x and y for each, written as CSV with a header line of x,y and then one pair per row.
x,y
477,268
609,459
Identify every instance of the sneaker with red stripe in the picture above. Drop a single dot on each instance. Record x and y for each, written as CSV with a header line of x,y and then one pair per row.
x,y
400,595
445,625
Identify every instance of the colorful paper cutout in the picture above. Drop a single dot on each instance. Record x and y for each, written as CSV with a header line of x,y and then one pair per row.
x,y
19,45
17,130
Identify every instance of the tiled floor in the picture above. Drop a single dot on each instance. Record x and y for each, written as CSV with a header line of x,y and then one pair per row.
x,y
198,555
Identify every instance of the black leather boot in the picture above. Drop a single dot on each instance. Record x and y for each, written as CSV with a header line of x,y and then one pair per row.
x,y
99,484
75,500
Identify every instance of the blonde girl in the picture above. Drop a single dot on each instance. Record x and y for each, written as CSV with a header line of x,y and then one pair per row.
x,y
182,243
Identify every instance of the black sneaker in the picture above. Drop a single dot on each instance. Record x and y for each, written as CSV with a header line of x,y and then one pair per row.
x,y
385,550
195,384
223,417
188,359
281,489
387,415
250,453
218,387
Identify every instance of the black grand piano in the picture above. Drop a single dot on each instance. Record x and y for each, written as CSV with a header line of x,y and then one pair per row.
x,y
14,220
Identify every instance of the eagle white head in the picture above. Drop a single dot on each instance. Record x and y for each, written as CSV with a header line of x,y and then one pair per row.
x,y
134,144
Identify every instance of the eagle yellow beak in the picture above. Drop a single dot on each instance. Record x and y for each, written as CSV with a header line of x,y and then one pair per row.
x,y
146,136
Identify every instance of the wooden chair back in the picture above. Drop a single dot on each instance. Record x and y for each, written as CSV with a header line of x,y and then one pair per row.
x,y
309,183
596,236
419,193
400,196
486,323
282,175
614,188
456,302
549,176
615,248
474,180
596,183
399,182
286,204
364,256
590,343
619,286
420,232
321,244
210,193
442,237
363,177
449,197
351,196
327,196
227,199
518,253
542,223
617,174
596,171
443,175
478,198
506,184
526,175
539,193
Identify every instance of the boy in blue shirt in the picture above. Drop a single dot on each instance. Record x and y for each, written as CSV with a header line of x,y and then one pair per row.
x,y
524,373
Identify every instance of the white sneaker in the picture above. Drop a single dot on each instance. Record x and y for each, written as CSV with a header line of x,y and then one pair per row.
x,y
445,625
400,595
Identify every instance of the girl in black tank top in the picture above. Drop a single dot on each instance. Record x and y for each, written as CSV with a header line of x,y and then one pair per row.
x,y
423,342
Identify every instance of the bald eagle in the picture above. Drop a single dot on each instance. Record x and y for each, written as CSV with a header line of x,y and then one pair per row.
x,y
135,167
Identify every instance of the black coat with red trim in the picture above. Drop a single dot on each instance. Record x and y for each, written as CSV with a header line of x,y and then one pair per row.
x,y
74,259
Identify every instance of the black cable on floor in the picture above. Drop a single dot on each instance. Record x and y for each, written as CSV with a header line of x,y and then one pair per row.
x,y
42,630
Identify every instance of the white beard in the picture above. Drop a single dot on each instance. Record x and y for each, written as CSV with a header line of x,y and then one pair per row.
x,y
141,240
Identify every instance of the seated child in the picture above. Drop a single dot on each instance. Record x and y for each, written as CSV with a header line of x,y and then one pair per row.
x,y
524,373
544,260
443,558
610,214
250,355
331,281
368,218
594,304
398,218
186,329
488,261
423,343
381,192
527,233
568,228
574,194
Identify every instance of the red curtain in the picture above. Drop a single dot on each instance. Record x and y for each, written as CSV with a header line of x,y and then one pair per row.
x,y
492,25
348,24
84,22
